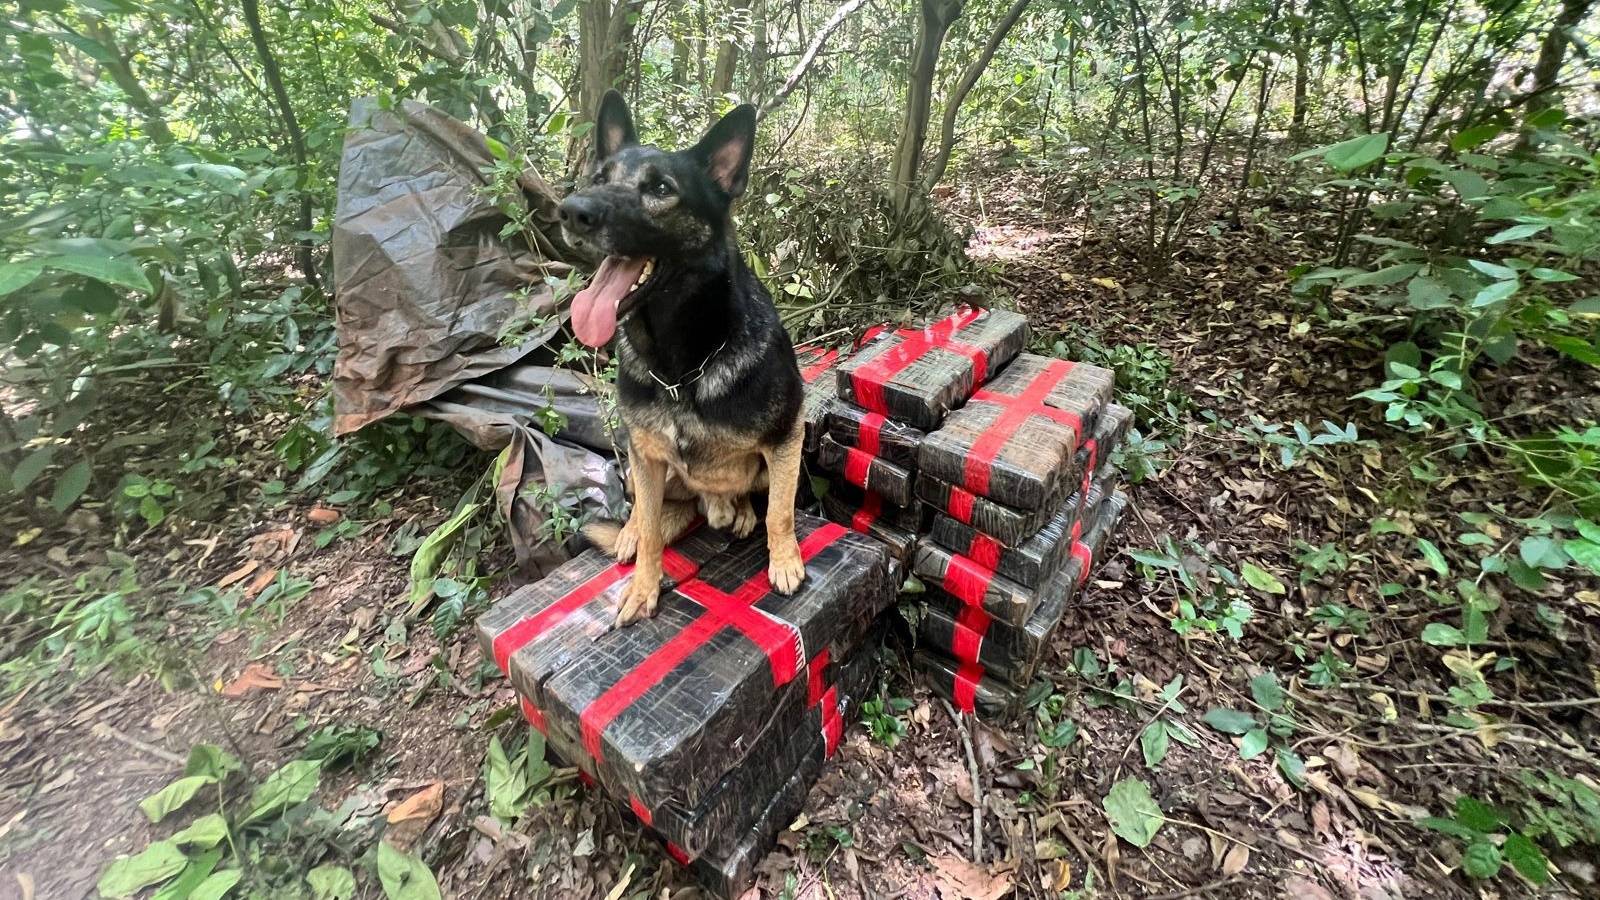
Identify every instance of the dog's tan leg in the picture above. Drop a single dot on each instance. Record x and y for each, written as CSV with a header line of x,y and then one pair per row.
x,y
785,568
649,483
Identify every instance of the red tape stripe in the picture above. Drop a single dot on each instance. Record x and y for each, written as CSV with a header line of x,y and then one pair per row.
x,y
966,686
972,624
870,440
832,723
966,580
960,504
984,550
1080,552
585,779
533,715
777,640
1093,446
816,685
857,465
1015,409
813,370
679,854
508,642
640,810
868,513
867,382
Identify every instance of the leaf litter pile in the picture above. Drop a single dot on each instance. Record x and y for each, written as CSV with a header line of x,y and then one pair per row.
x,y
1259,694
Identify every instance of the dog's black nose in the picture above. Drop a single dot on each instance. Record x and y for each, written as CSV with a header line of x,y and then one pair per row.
x,y
582,214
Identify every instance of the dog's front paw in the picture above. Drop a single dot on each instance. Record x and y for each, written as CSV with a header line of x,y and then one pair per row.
x,y
627,542
744,521
639,602
786,572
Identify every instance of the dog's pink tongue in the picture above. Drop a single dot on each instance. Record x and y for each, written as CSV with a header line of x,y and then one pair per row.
x,y
594,309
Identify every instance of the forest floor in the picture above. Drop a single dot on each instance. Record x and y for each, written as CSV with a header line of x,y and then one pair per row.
x,y
1211,345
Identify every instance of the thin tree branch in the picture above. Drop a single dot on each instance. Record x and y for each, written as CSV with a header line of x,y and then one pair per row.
x,y
804,65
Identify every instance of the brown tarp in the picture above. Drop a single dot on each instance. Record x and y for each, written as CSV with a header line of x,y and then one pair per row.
x,y
427,280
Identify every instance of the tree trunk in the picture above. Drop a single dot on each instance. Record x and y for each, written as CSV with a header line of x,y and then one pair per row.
x,y
969,79
1552,55
756,81
728,51
1300,42
604,32
291,126
934,21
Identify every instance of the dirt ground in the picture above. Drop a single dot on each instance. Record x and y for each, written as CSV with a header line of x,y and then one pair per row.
x,y
908,820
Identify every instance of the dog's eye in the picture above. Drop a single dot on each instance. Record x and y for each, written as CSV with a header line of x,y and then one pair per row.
x,y
659,188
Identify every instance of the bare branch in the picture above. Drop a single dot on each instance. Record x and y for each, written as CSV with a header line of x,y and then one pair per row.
x,y
804,65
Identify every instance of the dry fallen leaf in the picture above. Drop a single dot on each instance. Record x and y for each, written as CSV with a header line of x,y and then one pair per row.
x,y
255,677
1233,863
424,804
260,582
250,565
322,515
958,879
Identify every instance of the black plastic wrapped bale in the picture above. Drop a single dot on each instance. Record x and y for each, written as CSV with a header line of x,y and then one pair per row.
x,y
972,583
869,514
874,433
912,517
865,471
1017,437
816,367
917,376
714,827
662,709
967,687
1003,523
1034,560
1007,653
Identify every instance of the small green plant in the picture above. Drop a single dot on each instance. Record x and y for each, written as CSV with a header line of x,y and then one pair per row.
x,y
1489,842
519,779
1266,729
1211,599
884,717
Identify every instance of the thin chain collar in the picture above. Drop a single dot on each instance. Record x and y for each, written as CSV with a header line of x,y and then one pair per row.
x,y
694,375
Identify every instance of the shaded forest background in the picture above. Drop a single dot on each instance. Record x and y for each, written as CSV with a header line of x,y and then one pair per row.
x,y
1399,198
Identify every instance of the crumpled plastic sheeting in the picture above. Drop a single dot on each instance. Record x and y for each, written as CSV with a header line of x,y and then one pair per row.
x,y
424,281
424,285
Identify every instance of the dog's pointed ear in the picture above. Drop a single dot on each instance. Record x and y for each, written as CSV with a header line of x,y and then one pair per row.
x,y
726,148
613,126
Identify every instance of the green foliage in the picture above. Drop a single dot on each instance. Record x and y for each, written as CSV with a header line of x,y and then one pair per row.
x,y
1477,826
517,780
884,717
1133,812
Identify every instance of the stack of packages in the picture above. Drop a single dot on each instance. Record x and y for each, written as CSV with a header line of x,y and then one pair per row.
x,y
1025,501
710,721
895,388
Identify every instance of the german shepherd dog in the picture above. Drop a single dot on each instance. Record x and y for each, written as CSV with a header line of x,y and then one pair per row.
x,y
706,377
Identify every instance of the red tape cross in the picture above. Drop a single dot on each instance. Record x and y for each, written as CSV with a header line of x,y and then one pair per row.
x,y
814,369
868,513
778,640
867,382
508,642
857,466
1015,409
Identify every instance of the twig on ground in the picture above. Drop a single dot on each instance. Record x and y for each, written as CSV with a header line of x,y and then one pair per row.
x,y
102,730
1198,891
977,786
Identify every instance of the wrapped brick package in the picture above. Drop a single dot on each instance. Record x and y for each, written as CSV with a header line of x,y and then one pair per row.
x,y
874,434
1007,525
1006,652
660,711
917,376
1034,560
816,370
868,513
960,673
1018,435
865,471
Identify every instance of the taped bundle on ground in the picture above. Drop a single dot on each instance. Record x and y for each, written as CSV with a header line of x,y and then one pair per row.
x,y
1004,524
863,470
1017,437
917,376
1032,561
661,710
874,434
728,871
817,365
966,682
1006,652
869,514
